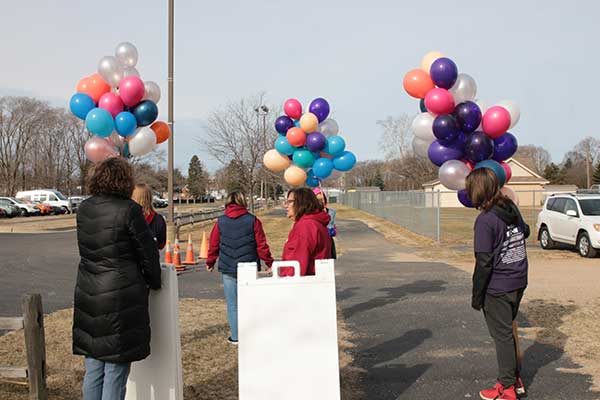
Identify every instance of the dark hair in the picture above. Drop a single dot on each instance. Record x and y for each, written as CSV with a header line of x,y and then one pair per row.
x,y
112,176
305,202
484,189
236,197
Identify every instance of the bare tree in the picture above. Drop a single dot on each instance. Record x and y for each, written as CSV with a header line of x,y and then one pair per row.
x,y
534,156
397,135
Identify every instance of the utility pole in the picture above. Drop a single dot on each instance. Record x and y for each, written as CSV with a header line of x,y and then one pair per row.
x,y
587,164
171,215
263,111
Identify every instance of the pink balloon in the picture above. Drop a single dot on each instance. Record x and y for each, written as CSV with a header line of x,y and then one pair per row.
x,y
439,101
496,121
507,170
131,90
98,149
112,103
293,108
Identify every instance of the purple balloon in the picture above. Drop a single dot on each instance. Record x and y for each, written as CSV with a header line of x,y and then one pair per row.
x,y
505,147
439,153
465,200
445,128
444,72
479,147
468,116
319,107
283,123
316,142
460,141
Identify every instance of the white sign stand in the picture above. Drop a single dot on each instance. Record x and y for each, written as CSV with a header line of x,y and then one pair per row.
x,y
159,377
287,328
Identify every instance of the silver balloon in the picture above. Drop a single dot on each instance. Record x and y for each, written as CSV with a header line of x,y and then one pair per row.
x,y
422,126
453,173
110,70
127,54
152,91
513,109
421,146
464,89
117,140
142,142
329,127
130,71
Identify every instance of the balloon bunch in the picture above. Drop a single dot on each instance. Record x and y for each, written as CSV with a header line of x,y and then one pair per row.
x,y
455,131
308,148
119,108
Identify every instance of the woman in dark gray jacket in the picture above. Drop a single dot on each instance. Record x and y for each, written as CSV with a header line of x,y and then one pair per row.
x,y
119,263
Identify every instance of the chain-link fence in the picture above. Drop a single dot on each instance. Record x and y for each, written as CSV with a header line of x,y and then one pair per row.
x,y
435,214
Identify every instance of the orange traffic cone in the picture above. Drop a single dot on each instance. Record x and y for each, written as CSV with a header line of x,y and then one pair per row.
x,y
177,259
168,253
203,247
189,254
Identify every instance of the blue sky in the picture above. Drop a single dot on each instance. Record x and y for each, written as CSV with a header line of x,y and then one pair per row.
x,y
541,54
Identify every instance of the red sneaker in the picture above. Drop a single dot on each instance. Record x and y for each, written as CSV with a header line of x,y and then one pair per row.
x,y
520,388
499,393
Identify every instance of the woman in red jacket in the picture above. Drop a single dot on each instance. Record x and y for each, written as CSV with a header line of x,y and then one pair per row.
x,y
309,238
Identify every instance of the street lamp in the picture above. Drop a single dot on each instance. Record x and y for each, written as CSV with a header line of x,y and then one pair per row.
x,y
170,162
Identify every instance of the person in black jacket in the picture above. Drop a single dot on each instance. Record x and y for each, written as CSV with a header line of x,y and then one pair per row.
x,y
143,196
119,263
500,275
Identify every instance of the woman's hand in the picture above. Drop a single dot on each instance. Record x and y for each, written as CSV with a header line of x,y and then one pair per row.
x,y
209,268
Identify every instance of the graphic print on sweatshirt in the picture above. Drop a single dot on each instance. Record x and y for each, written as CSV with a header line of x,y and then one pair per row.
x,y
513,246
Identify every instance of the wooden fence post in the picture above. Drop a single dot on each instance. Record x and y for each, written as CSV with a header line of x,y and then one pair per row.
x,y
33,321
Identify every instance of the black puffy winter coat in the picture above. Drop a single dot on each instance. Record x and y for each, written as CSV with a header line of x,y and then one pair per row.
x,y
119,261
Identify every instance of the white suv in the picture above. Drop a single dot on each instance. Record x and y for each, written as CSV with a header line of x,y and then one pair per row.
x,y
571,219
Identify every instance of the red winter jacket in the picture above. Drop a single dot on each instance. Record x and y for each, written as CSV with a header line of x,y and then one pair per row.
x,y
262,248
308,241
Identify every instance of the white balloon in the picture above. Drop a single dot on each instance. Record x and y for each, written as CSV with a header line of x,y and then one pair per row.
x,y
142,142
152,91
464,89
126,54
110,70
422,126
130,71
453,173
329,127
421,146
513,109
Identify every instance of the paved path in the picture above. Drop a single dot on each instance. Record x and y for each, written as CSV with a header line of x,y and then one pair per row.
x,y
417,336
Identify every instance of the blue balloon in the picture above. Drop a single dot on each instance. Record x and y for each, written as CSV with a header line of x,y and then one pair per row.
x,y
296,123
422,106
344,162
125,123
283,146
81,104
335,145
145,112
322,168
496,167
311,179
100,122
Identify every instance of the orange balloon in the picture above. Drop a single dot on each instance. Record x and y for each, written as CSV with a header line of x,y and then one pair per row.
x,y
296,137
83,85
417,83
295,175
162,131
96,87
275,161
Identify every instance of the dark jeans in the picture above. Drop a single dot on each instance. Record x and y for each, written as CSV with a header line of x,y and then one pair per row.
x,y
333,249
500,312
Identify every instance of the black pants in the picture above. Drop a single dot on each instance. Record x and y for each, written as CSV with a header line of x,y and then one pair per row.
x,y
333,249
500,312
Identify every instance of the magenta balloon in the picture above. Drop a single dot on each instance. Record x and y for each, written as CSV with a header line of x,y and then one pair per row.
x,y
439,101
131,90
112,103
496,121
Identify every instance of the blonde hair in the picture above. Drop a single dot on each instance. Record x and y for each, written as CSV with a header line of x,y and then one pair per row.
x,y
236,198
143,196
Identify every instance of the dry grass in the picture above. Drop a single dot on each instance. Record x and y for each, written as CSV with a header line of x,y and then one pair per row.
x,y
38,224
209,362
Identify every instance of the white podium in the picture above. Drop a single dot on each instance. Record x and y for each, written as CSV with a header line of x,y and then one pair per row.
x,y
287,329
159,377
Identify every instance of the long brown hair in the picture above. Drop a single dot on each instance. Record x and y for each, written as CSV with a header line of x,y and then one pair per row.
x,y
484,189
305,202
143,196
112,176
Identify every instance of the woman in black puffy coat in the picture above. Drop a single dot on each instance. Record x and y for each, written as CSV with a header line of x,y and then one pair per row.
x,y
119,263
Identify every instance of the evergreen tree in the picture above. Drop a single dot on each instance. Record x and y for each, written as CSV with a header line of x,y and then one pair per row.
x,y
596,177
197,178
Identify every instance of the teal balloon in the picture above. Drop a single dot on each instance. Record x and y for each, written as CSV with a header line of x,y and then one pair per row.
x,y
125,123
311,180
335,145
100,122
81,104
322,168
496,167
283,146
345,161
303,158
297,123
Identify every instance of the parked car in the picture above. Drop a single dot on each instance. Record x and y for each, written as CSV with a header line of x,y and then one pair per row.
x,y
76,201
45,209
159,202
47,196
9,209
572,219
25,209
